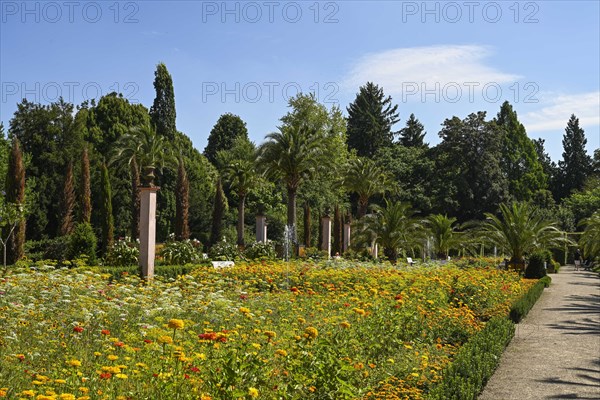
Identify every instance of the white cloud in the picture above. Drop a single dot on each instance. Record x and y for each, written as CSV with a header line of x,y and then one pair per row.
x,y
431,65
557,109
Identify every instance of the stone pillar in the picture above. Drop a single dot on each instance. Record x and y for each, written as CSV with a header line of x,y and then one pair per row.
x,y
346,243
147,230
326,235
261,229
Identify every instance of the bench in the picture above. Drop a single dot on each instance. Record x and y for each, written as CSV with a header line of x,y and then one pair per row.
x,y
409,260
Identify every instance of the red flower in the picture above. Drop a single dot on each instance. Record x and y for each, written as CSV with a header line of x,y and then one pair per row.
x,y
105,332
147,341
119,344
105,375
78,329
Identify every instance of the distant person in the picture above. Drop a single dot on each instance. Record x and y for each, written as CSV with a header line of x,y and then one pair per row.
x,y
577,259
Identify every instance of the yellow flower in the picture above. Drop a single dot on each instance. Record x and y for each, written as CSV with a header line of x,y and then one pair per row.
x,y
270,334
176,324
74,363
112,357
244,310
121,376
84,390
43,397
66,396
60,381
165,339
345,324
3,392
29,393
312,332
281,353
253,392
359,311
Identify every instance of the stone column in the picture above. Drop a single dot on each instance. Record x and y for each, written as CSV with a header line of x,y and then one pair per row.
x,y
261,229
326,235
375,250
346,243
147,230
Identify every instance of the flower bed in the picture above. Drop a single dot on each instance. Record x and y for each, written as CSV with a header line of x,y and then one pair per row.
x,y
266,330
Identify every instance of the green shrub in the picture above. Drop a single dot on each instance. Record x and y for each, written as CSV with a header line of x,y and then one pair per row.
x,y
521,307
83,242
358,255
123,252
474,363
314,253
181,252
166,271
48,249
535,268
260,250
224,251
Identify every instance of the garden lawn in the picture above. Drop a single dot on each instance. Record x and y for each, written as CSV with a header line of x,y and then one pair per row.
x,y
268,330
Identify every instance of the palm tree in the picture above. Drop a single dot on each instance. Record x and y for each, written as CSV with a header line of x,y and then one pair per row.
x,y
393,227
443,232
365,178
238,166
590,239
521,230
293,154
150,150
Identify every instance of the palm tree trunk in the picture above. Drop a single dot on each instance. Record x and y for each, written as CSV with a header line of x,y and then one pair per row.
x,y
307,225
362,207
291,206
240,222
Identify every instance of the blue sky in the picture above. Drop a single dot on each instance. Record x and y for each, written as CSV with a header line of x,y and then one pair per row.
x,y
436,59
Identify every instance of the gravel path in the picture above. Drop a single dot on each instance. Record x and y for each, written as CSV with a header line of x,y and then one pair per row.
x,y
555,353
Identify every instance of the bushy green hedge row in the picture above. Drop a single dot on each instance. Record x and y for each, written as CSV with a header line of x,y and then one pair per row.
x,y
166,271
475,362
521,307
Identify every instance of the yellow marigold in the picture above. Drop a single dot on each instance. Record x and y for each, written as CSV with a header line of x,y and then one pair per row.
x,y
112,357
205,397
359,311
84,390
244,310
253,392
3,392
60,381
270,334
74,363
29,393
281,352
301,320
176,324
44,397
66,396
165,339
121,376
345,324
312,332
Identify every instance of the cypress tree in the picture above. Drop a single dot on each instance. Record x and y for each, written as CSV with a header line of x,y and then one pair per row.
x,y
86,190
182,229
68,202
135,199
15,193
307,223
162,112
337,230
107,217
576,164
219,208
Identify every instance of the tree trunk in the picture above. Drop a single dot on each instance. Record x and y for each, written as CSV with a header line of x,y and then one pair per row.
x,y
307,225
391,254
291,207
363,204
135,200
240,222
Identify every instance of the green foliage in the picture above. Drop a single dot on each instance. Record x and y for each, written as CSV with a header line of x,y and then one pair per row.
x,y
468,177
590,239
124,252
314,253
83,242
182,194
576,163
219,208
442,230
371,117
165,271
181,252
107,212
413,134
56,249
223,134
224,251
4,151
474,363
535,267
521,307
520,163
14,229
162,112
365,178
260,251
68,202
86,191
582,204
521,230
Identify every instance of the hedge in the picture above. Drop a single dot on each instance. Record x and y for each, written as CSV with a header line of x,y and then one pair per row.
x,y
521,307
